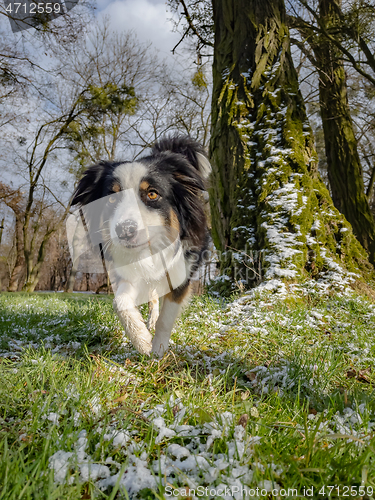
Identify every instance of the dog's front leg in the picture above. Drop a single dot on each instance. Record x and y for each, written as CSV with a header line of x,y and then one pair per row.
x,y
173,303
131,319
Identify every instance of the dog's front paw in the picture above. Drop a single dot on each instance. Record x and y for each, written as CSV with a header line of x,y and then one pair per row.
x,y
133,324
143,347
158,348
141,339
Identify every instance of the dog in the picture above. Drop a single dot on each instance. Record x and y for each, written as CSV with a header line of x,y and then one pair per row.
x,y
147,216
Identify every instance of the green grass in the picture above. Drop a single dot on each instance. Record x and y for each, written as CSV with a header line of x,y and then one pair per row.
x,y
273,393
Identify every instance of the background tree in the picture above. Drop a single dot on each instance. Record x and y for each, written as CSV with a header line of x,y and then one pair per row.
x,y
324,43
116,69
267,194
179,102
38,161
37,158
14,200
195,23
190,107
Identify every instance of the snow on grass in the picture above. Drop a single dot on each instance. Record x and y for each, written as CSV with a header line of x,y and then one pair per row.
x,y
254,391
195,463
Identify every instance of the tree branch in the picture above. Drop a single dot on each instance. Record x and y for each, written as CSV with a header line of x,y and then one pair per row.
x,y
192,27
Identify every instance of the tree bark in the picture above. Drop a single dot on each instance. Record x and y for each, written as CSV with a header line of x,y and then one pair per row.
x,y
71,280
344,167
270,209
33,270
19,266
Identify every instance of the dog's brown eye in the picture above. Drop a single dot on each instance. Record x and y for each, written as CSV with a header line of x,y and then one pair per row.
x,y
152,195
112,199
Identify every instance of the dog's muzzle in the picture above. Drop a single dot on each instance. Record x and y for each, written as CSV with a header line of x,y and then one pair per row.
x,y
127,230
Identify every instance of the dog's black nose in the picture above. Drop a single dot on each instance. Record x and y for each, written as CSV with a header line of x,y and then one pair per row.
x,y
127,229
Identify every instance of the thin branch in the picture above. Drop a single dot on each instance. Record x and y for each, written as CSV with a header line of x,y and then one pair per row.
x,y
192,27
304,50
301,25
181,39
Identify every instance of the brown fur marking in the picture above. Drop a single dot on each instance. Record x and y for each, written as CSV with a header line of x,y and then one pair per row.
x,y
152,303
179,294
174,221
144,185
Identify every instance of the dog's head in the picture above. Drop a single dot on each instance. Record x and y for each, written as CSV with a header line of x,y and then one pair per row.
x,y
161,190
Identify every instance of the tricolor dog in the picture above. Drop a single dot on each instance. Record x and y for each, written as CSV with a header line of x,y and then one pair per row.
x,y
147,216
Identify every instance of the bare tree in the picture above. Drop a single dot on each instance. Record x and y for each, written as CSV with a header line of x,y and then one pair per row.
x,y
35,158
118,71
20,53
179,101
13,199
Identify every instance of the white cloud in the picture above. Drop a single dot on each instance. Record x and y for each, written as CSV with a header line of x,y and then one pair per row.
x,y
148,18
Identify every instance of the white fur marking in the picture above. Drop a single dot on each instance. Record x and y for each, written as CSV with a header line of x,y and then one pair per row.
x,y
204,166
169,313
131,319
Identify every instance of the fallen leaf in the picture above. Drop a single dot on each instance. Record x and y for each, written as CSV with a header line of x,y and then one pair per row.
x,y
254,412
243,420
245,395
121,398
360,375
26,439
251,375
363,376
351,373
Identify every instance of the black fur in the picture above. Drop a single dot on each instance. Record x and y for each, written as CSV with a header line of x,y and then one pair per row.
x,y
184,185
95,183
173,166
183,145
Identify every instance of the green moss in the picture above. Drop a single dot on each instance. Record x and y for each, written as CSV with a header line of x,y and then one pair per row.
x,y
268,185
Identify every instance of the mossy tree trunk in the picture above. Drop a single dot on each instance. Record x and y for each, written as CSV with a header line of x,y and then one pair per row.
x,y
33,269
343,163
267,195
344,167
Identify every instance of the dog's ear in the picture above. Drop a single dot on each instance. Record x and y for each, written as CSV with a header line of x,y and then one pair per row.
x,y
186,162
187,147
91,186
